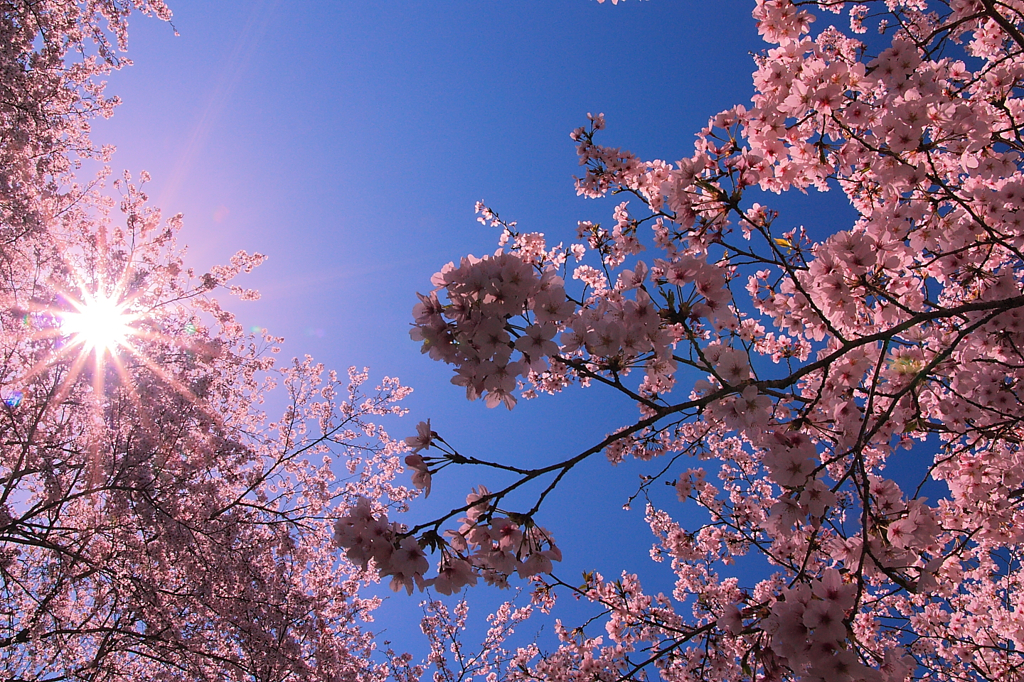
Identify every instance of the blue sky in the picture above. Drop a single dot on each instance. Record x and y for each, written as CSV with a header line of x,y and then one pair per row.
x,y
349,142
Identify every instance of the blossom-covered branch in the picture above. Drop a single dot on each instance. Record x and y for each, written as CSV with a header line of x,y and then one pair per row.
x,y
806,366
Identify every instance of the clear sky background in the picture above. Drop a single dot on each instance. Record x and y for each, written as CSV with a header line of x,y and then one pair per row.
x,y
349,141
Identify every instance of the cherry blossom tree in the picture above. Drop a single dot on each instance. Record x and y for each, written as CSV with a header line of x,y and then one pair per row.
x,y
842,401
155,523
53,58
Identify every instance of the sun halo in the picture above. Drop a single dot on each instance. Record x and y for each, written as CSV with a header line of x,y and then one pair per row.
x,y
100,324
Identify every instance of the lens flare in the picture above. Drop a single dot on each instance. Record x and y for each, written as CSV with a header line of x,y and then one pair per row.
x,y
100,325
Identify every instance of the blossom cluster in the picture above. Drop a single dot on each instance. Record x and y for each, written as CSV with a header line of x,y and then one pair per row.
x,y
475,330
487,546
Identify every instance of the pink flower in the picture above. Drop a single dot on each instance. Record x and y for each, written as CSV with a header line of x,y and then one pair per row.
x,y
421,475
423,439
537,343
453,575
406,566
826,619
538,562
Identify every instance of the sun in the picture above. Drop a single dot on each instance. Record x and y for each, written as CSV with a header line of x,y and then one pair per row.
x,y
100,324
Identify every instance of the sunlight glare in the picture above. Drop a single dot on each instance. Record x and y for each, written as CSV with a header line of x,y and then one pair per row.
x,y
101,324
